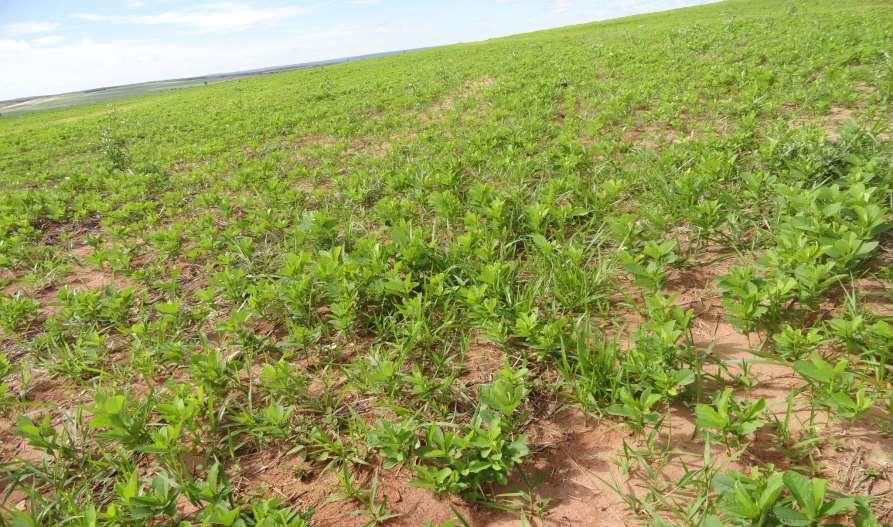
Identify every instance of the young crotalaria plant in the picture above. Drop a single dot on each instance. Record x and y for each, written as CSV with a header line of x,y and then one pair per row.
x,y
730,420
767,497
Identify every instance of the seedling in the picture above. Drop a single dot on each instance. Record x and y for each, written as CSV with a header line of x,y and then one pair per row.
x,y
730,420
833,386
636,410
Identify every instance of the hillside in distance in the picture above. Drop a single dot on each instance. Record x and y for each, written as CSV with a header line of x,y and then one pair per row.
x,y
111,93
628,272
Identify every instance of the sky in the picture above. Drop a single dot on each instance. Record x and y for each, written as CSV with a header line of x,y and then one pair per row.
x,y
56,46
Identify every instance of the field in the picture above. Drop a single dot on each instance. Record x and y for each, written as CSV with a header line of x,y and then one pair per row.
x,y
629,272
111,93
52,102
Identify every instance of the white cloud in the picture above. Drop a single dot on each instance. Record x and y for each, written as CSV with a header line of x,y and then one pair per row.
x,y
208,18
48,40
559,7
30,28
12,46
83,64
363,2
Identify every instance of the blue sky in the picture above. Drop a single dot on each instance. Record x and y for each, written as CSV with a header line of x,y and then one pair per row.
x,y
56,46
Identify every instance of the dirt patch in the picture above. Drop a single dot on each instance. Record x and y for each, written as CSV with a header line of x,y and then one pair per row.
x,y
7,276
696,289
864,88
317,141
309,184
303,150
281,474
414,506
652,135
46,394
182,167
830,123
289,477
81,278
834,119
854,456
580,471
482,359
875,296
576,473
646,132
471,89
868,470
368,147
78,278
76,231
476,85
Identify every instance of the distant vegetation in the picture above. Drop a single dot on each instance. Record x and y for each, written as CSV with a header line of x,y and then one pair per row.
x,y
628,272
112,93
66,100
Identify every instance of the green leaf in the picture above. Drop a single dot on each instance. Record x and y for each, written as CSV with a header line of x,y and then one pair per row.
x,y
789,516
620,410
709,418
838,506
801,488
774,486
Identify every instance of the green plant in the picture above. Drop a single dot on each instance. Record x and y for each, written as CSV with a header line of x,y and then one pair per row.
x,y
589,362
121,419
649,267
504,396
809,505
42,435
376,511
749,499
395,441
114,148
728,418
834,387
6,370
464,464
767,498
136,503
108,306
17,311
214,488
270,422
637,411
792,343
271,513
